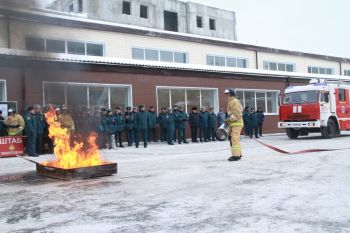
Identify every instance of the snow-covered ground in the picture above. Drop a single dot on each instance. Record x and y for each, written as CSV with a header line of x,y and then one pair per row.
x,y
190,188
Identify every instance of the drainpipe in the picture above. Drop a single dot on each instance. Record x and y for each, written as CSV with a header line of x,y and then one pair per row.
x,y
256,60
340,67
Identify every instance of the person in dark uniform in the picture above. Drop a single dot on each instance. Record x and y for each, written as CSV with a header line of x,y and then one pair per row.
x,y
2,125
97,125
212,125
31,129
86,122
41,124
152,124
162,124
246,120
134,112
181,118
253,123
170,126
109,126
221,117
176,125
194,123
203,125
261,116
142,126
129,125
119,126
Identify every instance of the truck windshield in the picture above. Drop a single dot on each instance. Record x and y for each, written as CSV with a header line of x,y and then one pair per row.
x,y
301,97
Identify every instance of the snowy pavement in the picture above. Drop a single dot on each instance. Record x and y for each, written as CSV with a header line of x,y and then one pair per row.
x,y
190,188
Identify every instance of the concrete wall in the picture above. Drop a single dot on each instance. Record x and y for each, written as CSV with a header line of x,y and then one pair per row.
x,y
225,21
3,33
111,10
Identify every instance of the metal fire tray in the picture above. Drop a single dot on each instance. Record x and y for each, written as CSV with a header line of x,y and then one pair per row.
x,y
107,169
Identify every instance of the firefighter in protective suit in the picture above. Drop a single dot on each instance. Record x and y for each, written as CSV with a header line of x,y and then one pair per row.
x,y
235,123
15,123
66,120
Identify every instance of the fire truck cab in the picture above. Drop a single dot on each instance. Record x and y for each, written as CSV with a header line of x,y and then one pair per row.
x,y
322,106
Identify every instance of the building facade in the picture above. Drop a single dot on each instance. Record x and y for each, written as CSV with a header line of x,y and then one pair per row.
x,y
170,15
49,57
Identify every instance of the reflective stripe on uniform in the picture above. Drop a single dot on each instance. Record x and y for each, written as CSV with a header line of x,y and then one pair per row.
x,y
236,124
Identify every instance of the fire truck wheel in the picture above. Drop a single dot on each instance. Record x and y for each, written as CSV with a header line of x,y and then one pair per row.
x,y
292,133
330,131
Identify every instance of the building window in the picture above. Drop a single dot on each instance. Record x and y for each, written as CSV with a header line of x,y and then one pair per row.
x,y
227,61
94,49
241,63
269,65
3,94
35,44
219,61
199,21
76,48
320,70
138,54
170,21
347,72
187,97
151,55
126,8
166,56
55,46
267,100
143,12
80,6
159,55
91,96
212,24
63,46
179,57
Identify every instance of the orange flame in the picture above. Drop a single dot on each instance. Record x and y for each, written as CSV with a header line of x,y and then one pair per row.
x,y
71,156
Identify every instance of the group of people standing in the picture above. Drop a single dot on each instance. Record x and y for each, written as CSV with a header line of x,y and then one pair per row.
x,y
138,124
33,124
253,121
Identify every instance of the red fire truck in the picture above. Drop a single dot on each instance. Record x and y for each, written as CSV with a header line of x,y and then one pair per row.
x,y
322,106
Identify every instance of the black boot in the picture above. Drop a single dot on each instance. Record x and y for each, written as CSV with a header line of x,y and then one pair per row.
x,y
234,158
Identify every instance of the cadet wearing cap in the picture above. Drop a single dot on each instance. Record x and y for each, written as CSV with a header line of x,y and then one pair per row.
x,y
40,117
119,126
235,121
31,129
129,119
170,122
15,123
163,124
152,124
181,118
194,123
142,126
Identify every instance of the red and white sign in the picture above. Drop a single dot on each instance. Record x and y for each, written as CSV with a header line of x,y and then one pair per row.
x,y
11,146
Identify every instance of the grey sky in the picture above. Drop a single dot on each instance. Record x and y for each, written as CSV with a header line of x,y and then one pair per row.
x,y
316,26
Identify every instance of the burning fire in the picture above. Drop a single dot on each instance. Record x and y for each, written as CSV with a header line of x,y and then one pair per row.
x,y
71,156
